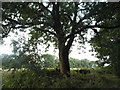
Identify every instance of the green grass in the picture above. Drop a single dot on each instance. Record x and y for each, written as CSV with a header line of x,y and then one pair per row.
x,y
53,79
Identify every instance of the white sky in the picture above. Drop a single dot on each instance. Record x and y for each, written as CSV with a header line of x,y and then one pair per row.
x,y
78,54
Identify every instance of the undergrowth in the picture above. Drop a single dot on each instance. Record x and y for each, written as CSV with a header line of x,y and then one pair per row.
x,y
52,79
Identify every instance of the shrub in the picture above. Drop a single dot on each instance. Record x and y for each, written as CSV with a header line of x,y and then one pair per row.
x,y
49,79
20,79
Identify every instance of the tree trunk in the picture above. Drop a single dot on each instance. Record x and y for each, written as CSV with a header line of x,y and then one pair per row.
x,y
64,60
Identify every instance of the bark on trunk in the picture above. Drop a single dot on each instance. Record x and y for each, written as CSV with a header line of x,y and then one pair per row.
x,y
63,51
64,61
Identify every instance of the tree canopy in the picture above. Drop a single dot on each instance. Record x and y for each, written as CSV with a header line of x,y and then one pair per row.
x,y
107,44
59,22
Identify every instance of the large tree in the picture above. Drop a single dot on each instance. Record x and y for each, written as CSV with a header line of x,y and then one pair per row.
x,y
58,22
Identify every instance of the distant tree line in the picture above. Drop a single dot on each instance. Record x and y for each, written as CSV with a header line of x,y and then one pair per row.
x,y
44,61
84,63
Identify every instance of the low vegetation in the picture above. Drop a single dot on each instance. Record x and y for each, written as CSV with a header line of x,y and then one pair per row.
x,y
53,79
84,74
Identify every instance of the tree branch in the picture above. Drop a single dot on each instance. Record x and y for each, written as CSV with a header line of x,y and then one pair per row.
x,y
45,31
69,43
41,22
15,22
50,32
73,26
5,33
69,17
102,26
46,8
91,27
75,11
27,25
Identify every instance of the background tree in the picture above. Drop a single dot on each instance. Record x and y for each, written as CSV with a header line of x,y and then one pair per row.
x,y
84,63
10,61
49,61
58,23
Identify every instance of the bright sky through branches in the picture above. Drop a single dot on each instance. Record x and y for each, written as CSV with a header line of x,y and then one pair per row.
x,y
76,53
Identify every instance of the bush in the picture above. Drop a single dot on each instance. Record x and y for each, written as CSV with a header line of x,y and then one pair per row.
x,y
49,79
21,79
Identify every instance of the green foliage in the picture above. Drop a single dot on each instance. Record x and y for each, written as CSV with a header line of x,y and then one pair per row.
x,y
21,79
49,79
49,61
10,61
84,63
107,45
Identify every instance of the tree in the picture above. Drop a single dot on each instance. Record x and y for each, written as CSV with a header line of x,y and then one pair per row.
x,y
49,61
10,61
107,45
84,63
107,48
57,22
